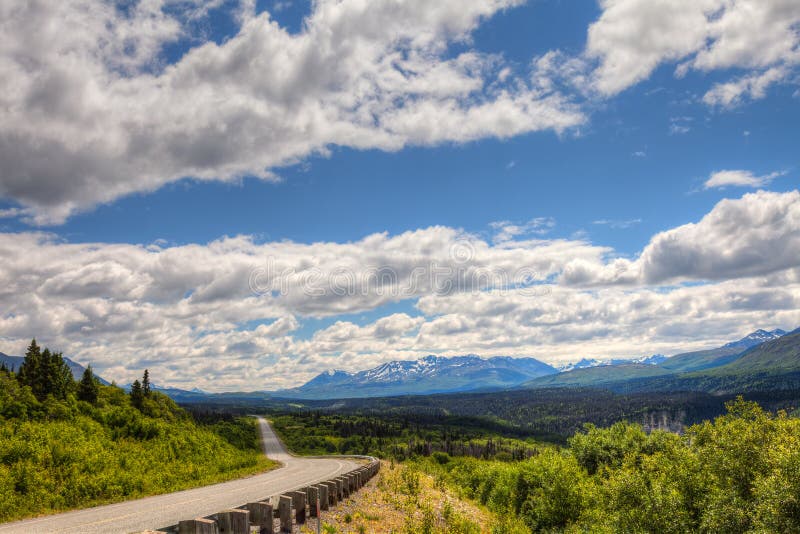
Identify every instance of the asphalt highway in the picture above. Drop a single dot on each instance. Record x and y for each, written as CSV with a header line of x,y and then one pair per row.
x,y
165,510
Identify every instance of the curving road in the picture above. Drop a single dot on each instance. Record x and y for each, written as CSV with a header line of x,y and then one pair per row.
x,y
164,510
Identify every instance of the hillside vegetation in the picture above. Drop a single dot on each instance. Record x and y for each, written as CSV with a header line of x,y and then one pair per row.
x,y
736,474
769,366
67,444
598,376
701,359
782,354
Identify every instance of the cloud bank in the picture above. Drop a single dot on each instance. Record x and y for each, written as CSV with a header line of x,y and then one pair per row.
x,y
229,314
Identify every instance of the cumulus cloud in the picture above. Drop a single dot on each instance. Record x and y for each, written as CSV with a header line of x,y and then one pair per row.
x,y
89,111
569,324
738,178
756,235
634,37
233,313
236,302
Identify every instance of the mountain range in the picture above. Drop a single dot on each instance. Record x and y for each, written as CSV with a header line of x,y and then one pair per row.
x,y
431,374
763,359
773,352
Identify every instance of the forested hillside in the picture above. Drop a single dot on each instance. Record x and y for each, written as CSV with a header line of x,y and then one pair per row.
x,y
67,444
735,474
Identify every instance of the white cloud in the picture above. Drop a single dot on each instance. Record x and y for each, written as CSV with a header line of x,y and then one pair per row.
x,y
739,178
754,86
182,309
94,114
506,231
756,235
190,314
617,224
634,37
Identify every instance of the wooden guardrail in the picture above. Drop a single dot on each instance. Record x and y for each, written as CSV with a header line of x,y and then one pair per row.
x,y
281,513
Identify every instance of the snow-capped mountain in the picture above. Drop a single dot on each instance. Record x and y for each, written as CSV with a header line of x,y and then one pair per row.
x,y
431,374
329,377
655,359
582,364
751,340
756,338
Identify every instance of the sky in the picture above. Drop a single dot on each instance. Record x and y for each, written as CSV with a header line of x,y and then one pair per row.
x,y
241,194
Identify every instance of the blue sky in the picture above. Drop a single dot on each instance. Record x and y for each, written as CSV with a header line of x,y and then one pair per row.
x,y
169,150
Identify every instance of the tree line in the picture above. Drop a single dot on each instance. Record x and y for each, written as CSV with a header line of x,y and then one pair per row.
x,y
48,375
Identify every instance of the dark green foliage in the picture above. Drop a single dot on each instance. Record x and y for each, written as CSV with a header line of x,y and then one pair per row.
x,y
46,373
146,383
544,414
398,437
137,395
88,387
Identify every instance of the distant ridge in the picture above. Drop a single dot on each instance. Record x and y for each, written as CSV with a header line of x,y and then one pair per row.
x,y
709,359
431,374
778,354
761,350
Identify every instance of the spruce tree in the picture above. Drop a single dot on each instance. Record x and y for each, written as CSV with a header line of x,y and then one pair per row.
x,y
146,383
57,379
88,389
137,396
31,365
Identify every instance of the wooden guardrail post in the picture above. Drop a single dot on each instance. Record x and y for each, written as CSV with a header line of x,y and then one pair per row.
x,y
234,521
323,496
333,492
198,526
285,513
313,496
299,504
344,491
261,517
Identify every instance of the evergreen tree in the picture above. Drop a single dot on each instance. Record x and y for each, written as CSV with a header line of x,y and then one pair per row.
x,y
46,373
58,380
31,365
146,383
137,395
88,388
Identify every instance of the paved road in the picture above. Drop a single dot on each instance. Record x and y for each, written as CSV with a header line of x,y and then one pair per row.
x,y
165,510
